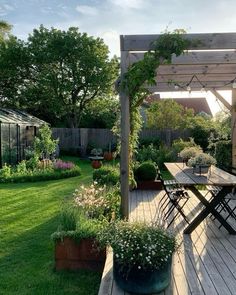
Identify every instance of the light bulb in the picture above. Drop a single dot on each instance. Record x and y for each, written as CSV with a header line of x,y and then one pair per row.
x,y
176,87
234,84
203,89
188,88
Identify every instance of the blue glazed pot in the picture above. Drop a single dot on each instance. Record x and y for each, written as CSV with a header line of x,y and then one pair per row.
x,y
143,282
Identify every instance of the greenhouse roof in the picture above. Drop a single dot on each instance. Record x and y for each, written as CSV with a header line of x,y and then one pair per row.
x,y
18,117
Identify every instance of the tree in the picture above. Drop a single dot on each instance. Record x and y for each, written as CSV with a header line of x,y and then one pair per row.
x,y
168,114
5,29
101,113
65,71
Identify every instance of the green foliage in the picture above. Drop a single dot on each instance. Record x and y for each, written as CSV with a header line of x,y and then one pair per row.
x,y
223,153
44,145
5,29
37,175
21,168
190,152
168,114
33,162
100,113
5,172
143,240
145,171
179,144
108,175
201,128
145,142
68,218
60,74
157,155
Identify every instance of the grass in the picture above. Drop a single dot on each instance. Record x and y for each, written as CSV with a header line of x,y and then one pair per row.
x,y
29,214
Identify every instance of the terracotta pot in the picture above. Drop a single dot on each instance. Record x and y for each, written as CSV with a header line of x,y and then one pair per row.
x,y
96,164
72,255
108,156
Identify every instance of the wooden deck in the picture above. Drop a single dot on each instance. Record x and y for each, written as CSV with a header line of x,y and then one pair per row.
x,y
206,260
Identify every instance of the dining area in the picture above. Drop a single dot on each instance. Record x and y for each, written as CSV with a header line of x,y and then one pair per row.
x,y
205,262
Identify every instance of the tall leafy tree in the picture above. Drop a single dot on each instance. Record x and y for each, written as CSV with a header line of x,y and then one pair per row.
x,y
65,70
169,114
5,29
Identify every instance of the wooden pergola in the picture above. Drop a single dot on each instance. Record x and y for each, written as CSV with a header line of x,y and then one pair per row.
x,y
209,64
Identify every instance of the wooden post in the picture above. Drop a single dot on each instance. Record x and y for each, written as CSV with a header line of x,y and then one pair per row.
x,y
125,131
233,127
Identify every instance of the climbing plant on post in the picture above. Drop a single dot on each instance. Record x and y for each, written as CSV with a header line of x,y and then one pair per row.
x,y
141,74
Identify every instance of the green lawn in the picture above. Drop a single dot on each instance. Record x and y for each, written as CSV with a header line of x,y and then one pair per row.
x,y
28,216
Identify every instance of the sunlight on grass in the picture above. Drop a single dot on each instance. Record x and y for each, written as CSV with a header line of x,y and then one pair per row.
x,y
29,214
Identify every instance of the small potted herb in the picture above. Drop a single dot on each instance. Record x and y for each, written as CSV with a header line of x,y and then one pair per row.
x,y
142,255
201,162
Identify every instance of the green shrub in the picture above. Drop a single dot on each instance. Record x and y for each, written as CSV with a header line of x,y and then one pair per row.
x,y
147,153
223,153
5,172
165,154
144,142
21,168
40,175
108,175
68,218
145,171
179,144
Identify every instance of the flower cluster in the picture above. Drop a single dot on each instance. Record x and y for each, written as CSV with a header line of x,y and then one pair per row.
x,y
61,165
138,245
91,199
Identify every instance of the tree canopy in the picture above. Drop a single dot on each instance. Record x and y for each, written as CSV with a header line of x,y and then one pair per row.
x,y
168,114
56,74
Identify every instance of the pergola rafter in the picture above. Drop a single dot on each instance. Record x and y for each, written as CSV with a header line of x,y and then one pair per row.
x,y
210,63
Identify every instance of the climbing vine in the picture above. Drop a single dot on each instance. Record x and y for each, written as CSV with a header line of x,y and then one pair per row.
x,y
143,73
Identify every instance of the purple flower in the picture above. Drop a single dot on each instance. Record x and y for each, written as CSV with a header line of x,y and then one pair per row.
x,y
61,165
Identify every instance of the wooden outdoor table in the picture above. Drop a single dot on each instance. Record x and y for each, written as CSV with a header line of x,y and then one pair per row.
x,y
184,175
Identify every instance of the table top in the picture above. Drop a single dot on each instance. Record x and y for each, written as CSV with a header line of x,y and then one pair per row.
x,y
185,176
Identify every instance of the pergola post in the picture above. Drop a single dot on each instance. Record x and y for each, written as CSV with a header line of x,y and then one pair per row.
x,y
125,131
233,127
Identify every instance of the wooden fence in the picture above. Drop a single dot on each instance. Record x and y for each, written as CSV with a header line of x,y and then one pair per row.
x,y
78,139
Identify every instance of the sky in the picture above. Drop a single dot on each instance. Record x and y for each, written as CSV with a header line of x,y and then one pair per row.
x,y
110,18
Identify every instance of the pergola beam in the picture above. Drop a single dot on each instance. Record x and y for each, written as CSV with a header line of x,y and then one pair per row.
x,y
200,41
221,99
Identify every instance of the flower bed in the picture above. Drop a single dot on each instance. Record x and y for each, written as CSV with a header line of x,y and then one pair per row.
x,y
21,173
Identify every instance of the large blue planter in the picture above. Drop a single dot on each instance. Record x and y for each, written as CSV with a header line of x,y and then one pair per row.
x,y
143,282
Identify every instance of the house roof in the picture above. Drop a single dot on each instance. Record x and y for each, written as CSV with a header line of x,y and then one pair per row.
x,y
18,117
198,104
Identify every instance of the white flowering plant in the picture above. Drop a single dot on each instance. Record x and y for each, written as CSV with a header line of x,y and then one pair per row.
x,y
202,159
98,201
138,245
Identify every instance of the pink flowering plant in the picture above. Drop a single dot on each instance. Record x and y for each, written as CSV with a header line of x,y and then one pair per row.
x,y
97,201
138,246
62,165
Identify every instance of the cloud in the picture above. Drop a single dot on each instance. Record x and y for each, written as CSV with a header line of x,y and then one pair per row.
x,y
5,9
87,10
126,4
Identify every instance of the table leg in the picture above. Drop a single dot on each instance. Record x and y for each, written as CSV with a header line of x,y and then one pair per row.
x,y
210,208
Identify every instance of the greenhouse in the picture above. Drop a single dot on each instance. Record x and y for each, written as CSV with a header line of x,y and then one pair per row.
x,y
17,131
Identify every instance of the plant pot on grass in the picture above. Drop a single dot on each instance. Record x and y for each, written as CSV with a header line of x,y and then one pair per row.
x,y
145,176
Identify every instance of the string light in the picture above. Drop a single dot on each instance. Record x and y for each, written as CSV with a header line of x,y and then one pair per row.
x,y
187,86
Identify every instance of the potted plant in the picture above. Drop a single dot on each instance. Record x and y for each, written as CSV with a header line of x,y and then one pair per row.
x,y
96,158
142,256
76,246
108,155
189,152
201,162
146,176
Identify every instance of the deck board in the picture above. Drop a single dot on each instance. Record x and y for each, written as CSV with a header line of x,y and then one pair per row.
x,y
206,260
